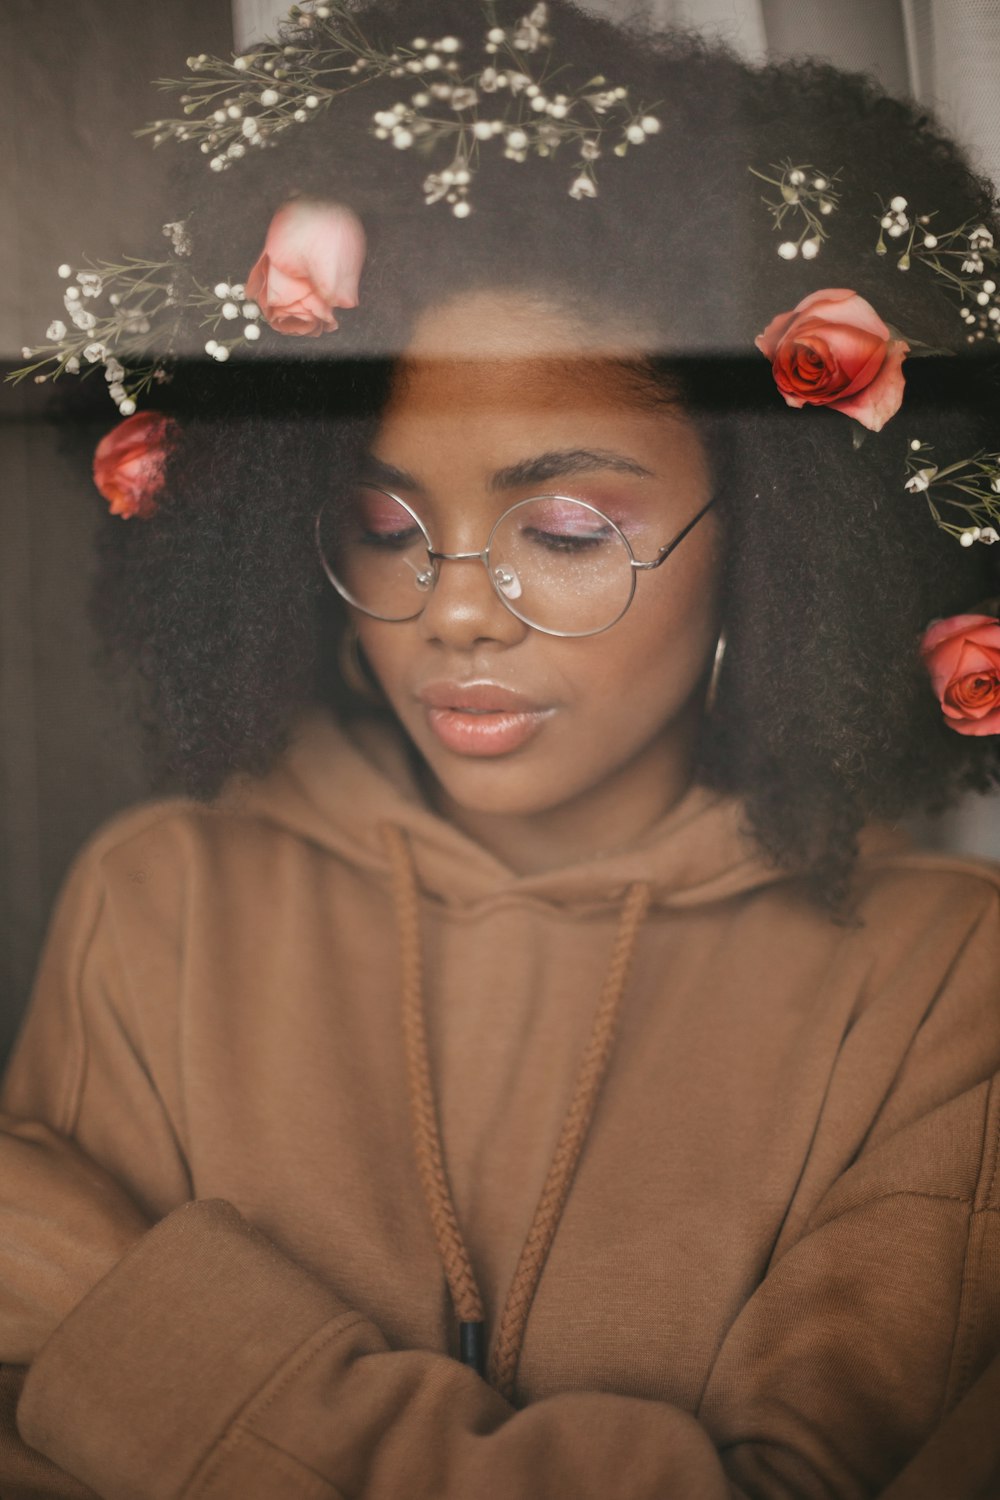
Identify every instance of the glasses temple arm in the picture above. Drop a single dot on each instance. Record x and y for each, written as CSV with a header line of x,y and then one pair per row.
x,y
668,547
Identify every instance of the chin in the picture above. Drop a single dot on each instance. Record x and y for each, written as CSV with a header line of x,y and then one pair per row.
x,y
498,785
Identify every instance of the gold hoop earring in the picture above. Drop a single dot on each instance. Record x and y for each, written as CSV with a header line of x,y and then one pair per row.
x,y
355,673
713,681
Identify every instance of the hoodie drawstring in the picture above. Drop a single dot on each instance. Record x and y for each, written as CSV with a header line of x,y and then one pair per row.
x,y
466,1297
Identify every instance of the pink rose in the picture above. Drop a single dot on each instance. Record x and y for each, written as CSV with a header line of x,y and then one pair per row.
x,y
310,264
834,350
129,463
962,655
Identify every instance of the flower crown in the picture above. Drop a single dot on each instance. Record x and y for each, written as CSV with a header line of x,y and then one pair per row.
x,y
832,349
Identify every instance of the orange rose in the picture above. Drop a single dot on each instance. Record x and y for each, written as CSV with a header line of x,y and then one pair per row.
x,y
834,350
962,655
310,264
129,463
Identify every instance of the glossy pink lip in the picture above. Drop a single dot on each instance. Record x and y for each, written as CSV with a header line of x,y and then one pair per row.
x,y
481,718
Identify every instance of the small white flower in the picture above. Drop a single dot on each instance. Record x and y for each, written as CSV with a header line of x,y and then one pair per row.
x,y
419,44
517,140
116,391
251,310
72,364
312,102
826,206
240,64
983,298
126,407
590,150
920,480
420,101
930,241
301,115
995,485
402,138
496,34
796,177
71,295
26,352
82,318
236,149
269,98
113,370
988,536
217,163
222,288
897,204
94,352
221,353
558,111
65,270
482,130
323,11
449,44
981,236
56,330
895,230
462,209
464,98
650,124
788,249
966,539
819,183
915,445
432,60
251,331
583,187
539,103
886,221
230,310
90,283
489,80
635,134
250,126
989,286
810,249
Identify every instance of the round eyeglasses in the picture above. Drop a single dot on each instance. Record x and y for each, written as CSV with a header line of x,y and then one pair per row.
x,y
559,564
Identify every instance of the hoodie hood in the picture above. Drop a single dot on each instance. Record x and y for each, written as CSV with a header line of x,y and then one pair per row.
x,y
338,786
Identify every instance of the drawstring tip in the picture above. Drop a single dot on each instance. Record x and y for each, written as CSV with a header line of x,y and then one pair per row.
x,y
472,1346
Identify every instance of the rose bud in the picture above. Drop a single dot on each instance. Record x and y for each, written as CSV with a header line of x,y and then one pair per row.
x,y
311,263
129,463
962,655
833,350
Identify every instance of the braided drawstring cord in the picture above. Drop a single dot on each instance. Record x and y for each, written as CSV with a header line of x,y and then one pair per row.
x,y
465,1294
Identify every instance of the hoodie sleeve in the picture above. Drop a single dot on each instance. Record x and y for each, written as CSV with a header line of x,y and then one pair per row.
x,y
208,1365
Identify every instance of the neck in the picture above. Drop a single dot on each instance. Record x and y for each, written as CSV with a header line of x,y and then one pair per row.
x,y
601,820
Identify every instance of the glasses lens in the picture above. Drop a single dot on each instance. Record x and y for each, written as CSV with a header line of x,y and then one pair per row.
x,y
376,554
561,565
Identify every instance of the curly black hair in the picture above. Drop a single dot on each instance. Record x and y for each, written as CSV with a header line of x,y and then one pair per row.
x,y
824,717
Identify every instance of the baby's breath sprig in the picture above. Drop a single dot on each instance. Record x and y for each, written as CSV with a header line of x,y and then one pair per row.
x,y
525,111
971,485
803,192
233,107
959,257
125,319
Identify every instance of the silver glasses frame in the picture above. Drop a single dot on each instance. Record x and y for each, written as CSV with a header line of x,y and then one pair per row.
x,y
435,558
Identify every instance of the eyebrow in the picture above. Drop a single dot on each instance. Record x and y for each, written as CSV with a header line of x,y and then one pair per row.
x,y
538,470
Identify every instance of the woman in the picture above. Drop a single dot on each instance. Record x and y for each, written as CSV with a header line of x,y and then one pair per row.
x,y
582,1086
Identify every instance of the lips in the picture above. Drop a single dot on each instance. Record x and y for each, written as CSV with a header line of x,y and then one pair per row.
x,y
481,718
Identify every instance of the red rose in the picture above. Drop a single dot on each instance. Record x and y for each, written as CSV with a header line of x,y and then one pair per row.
x,y
129,463
962,655
310,264
834,350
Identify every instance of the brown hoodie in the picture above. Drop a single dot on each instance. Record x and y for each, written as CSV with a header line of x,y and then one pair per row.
x,y
761,1199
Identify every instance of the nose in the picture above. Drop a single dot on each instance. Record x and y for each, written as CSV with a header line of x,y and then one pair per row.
x,y
464,609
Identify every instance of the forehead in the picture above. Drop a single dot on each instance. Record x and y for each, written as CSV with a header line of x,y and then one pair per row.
x,y
486,375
